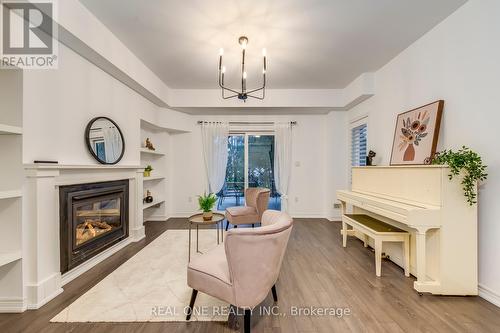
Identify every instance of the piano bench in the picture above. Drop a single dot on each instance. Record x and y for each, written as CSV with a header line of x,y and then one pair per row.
x,y
380,232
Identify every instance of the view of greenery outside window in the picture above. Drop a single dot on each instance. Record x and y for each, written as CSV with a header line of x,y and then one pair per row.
x,y
260,161
235,171
260,170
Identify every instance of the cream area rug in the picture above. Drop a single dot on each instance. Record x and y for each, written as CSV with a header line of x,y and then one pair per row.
x,y
150,286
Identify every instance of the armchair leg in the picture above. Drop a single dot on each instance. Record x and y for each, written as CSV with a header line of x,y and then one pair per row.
x,y
253,225
248,315
191,304
275,294
227,224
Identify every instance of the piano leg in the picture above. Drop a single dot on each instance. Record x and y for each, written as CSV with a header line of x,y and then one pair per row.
x,y
343,206
406,245
421,259
378,257
344,234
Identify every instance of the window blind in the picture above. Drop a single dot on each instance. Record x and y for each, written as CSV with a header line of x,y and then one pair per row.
x,y
358,145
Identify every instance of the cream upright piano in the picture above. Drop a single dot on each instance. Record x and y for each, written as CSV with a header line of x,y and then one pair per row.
x,y
442,225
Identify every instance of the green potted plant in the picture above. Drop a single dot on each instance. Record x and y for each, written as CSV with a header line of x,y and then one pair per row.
x,y
466,163
206,203
147,171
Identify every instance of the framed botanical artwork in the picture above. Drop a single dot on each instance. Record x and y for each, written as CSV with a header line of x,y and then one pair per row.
x,y
416,135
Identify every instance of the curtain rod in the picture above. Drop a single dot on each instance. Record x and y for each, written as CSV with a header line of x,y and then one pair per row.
x,y
249,122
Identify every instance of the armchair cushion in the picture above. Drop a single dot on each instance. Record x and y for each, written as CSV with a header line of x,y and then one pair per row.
x,y
242,215
210,274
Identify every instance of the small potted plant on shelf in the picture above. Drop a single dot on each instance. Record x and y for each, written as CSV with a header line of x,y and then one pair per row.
x,y
147,171
207,203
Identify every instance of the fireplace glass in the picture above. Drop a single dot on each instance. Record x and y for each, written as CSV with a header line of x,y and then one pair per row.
x,y
96,219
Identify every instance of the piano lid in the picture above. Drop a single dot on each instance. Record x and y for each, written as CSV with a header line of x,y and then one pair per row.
x,y
408,212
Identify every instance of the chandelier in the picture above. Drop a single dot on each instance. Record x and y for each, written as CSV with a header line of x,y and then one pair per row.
x,y
244,93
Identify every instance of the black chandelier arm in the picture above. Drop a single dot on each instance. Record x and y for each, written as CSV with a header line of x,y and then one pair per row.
x,y
228,97
258,97
243,79
228,89
255,90
263,84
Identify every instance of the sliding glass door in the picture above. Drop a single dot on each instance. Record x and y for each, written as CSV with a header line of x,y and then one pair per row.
x,y
250,164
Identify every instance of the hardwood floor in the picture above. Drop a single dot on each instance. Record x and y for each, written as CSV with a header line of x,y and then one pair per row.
x,y
317,272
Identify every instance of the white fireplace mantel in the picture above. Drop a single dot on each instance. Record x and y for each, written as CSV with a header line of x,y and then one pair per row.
x,y
41,248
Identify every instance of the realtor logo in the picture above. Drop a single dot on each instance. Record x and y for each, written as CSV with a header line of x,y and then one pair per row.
x,y
28,34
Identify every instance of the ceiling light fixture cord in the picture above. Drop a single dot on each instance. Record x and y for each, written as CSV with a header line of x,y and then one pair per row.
x,y
244,93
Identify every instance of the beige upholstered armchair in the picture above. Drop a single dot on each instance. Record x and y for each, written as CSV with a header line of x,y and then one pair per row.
x,y
257,200
243,269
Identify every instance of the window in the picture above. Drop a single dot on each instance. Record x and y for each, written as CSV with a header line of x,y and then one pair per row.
x,y
357,140
358,145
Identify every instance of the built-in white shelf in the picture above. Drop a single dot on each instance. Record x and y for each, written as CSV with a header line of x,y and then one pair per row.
x,y
152,152
151,178
8,257
11,194
8,129
154,203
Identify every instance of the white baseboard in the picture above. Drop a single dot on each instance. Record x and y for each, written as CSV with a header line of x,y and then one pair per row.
x,y
157,218
48,298
178,215
77,271
300,215
137,234
12,305
489,295
41,292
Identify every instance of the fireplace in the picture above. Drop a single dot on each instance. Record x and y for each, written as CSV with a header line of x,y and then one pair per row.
x,y
93,217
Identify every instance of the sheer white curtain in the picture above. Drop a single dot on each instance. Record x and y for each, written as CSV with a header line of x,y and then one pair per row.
x,y
283,160
214,139
112,143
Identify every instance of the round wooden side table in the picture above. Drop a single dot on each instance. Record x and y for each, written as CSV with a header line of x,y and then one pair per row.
x,y
198,220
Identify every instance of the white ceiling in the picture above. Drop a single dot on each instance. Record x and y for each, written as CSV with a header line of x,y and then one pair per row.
x,y
311,44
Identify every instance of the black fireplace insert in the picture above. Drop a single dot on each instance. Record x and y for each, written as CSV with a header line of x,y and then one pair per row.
x,y
93,217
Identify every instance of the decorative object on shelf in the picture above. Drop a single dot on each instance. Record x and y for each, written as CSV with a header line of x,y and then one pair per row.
x,y
416,135
369,158
466,162
244,93
206,203
149,144
105,140
45,162
147,171
148,198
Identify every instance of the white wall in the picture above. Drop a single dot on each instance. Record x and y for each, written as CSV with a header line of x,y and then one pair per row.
x,y
58,104
319,143
457,61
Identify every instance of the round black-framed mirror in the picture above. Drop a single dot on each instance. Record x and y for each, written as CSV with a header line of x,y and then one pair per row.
x,y
104,140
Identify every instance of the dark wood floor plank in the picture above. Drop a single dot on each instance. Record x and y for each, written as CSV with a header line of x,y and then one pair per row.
x,y
317,271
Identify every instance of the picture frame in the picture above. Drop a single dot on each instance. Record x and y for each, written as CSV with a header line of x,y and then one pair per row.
x,y
416,135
